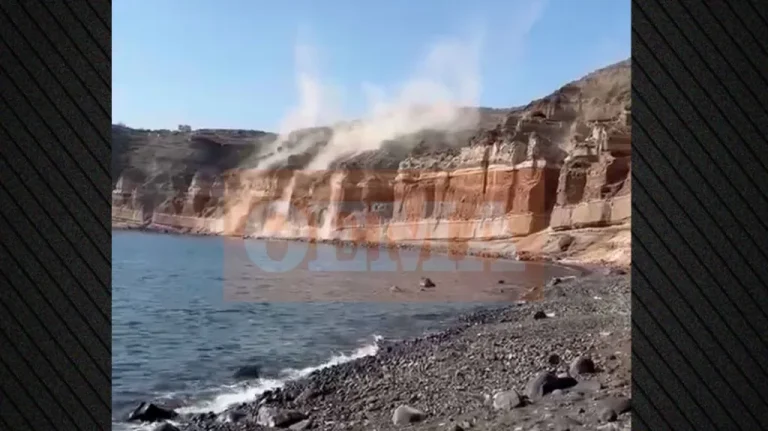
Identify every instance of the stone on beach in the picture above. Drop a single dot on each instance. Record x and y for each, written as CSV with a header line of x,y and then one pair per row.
x,y
148,412
306,395
557,280
553,359
566,423
166,426
586,386
540,385
405,415
278,418
506,400
301,426
581,365
564,242
611,408
426,282
233,416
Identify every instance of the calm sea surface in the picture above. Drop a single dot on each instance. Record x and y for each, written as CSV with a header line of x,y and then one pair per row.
x,y
187,312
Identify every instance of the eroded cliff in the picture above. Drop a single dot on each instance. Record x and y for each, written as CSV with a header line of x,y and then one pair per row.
x,y
544,177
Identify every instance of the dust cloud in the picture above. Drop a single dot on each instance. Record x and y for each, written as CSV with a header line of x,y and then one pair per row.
x,y
441,95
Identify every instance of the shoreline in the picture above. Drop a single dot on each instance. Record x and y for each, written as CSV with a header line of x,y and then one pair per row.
x,y
453,375
584,268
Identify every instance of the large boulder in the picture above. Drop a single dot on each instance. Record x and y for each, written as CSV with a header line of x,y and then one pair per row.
x,y
405,415
148,412
278,418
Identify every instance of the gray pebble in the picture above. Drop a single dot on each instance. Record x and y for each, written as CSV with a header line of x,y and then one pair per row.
x,y
426,282
607,414
306,395
586,387
539,385
506,400
233,416
582,365
564,242
301,426
566,423
272,417
404,415
610,408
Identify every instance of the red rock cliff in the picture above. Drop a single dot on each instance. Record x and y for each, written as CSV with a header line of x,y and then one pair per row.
x,y
557,166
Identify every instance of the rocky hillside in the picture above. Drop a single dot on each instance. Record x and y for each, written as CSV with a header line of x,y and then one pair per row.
x,y
558,164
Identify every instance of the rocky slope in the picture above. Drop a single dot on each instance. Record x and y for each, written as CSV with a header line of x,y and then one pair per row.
x,y
551,179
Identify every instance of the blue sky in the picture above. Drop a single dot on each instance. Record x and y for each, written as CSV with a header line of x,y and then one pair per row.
x,y
234,63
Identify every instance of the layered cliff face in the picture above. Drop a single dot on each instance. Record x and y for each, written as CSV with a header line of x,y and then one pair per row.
x,y
560,164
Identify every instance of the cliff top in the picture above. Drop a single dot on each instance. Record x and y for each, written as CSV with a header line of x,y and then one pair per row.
x,y
169,156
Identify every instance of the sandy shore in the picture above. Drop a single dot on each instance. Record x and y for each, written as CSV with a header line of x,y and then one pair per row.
x,y
480,374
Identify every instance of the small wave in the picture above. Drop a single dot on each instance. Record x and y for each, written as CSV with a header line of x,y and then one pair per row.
x,y
239,393
366,350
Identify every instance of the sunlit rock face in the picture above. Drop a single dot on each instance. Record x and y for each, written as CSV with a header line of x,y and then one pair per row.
x,y
562,162
594,184
529,184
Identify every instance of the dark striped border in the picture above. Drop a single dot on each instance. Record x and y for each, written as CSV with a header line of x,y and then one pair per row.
x,y
55,299
700,214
